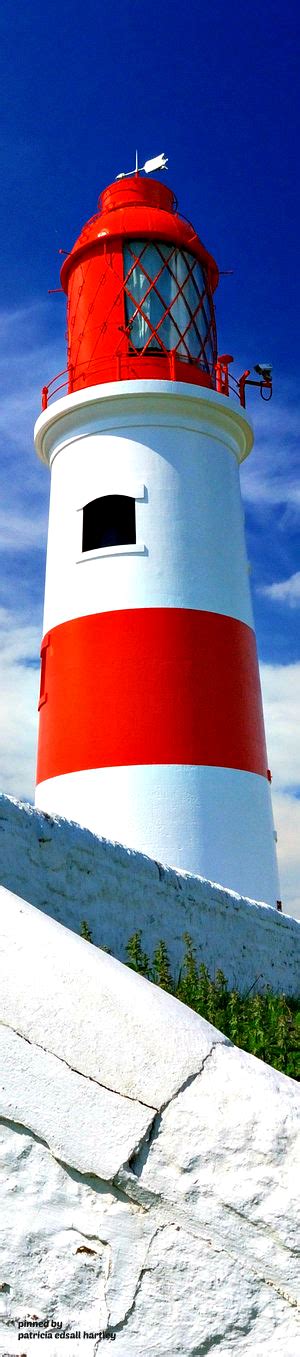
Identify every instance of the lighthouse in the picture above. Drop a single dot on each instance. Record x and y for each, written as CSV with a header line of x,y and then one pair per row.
x,y
150,716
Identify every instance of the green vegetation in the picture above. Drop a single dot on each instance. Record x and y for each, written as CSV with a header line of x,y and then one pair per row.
x,y
85,931
267,1025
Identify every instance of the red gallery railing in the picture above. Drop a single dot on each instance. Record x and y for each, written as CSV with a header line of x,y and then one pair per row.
x,y
223,381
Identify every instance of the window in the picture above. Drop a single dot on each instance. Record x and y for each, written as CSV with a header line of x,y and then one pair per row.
x,y
108,522
168,302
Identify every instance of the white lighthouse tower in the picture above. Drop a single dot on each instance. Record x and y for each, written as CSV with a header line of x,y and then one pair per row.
x,y
151,727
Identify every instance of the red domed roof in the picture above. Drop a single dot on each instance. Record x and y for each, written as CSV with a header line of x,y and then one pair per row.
x,y
139,208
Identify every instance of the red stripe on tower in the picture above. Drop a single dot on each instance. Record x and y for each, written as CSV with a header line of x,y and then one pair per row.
x,y
151,686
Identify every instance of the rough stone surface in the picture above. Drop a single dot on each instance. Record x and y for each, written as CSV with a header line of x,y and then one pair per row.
x,y
180,1238
77,1003
33,1083
71,875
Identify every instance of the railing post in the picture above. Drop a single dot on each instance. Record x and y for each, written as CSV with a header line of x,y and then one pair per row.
x,y
44,397
222,377
218,376
225,378
241,386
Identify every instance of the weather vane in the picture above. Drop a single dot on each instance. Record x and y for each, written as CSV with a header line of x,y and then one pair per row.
x,y
159,162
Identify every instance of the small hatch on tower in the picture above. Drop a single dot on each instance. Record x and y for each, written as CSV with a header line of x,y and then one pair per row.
x,y
109,522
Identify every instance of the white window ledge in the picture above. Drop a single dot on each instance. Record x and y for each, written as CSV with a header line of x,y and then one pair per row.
x,y
131,549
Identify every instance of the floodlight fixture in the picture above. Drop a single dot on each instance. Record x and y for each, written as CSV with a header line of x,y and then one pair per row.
x,y
264,370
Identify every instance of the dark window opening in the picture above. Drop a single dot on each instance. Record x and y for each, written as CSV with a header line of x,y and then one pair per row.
x,y
109,522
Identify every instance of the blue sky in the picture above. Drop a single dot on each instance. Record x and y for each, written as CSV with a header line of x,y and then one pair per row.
x,y
215,87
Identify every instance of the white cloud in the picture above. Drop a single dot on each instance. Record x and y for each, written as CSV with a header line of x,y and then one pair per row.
x,y
270,476
285,591
281,697
287,820
20,533
19,647
26,362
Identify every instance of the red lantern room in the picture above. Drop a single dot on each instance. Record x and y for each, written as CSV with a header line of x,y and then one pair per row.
x,y
140,289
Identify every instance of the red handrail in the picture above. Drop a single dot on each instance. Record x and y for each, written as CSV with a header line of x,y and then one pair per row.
x,y
224,381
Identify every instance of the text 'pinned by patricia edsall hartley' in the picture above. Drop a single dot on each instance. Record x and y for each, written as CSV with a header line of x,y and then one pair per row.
x,y
33,1327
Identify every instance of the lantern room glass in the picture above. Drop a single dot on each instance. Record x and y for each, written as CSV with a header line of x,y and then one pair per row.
x,y
167,302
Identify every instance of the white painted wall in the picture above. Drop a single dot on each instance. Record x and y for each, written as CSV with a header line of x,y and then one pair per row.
x,y
177,451
220,817
149,1183
71,875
